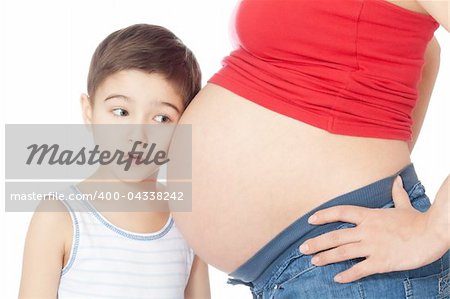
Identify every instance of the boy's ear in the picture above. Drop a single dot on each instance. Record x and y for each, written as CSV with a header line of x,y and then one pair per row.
x,y
86,108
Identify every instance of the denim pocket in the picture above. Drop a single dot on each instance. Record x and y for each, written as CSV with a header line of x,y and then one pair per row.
x,y
299,277
300,264
312,282
430,281
444,285
294,267
432,286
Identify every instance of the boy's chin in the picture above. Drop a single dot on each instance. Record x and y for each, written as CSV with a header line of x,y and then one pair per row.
x,y
137,180
140,174
137,176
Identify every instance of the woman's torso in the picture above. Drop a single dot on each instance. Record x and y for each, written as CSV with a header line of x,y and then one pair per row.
x,y
255,171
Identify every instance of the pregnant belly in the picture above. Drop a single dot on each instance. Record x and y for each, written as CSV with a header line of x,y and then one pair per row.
x,y
255,171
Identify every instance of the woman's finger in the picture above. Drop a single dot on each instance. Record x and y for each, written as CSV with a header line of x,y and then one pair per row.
x,y
339,254
351,214
399,195
358,271
330,240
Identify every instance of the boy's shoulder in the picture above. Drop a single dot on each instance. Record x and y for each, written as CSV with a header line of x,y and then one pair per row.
x,y
51,204
48,240
51,222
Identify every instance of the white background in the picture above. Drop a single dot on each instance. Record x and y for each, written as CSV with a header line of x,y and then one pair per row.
x,y
45,50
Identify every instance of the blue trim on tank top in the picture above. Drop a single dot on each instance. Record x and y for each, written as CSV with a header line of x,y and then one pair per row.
x,y
76,239
133,236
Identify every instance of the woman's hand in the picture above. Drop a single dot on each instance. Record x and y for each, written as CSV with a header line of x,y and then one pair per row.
x,y
382,236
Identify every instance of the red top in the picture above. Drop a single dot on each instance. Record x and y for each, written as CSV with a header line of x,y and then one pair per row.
x,y
350,67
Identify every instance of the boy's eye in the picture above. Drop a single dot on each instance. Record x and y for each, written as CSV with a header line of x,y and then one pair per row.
x,y
162,118
120,112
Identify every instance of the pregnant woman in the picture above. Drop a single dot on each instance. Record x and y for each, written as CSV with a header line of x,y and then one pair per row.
x,y
313,110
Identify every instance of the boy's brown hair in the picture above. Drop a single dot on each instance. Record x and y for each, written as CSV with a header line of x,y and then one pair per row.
x,y
148,48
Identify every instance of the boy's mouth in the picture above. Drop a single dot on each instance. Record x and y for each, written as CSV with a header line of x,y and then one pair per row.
x,y
136,158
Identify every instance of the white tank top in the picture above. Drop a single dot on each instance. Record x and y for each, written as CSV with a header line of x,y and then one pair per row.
x,y
109,262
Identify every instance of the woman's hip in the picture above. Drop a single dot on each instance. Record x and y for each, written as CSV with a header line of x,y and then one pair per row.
x,y
279,270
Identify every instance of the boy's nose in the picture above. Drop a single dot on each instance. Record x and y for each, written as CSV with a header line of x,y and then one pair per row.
x,y
139,132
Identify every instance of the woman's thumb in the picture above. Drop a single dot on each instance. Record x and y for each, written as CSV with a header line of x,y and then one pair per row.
x,y
399,195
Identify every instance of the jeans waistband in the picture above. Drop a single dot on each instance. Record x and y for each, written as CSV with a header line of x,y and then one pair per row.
x,y
258,269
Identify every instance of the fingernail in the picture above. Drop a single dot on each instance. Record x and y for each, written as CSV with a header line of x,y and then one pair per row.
x,y
304,248
315,260
338,278
312,219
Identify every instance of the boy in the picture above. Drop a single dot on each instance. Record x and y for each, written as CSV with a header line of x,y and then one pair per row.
x,y
142,74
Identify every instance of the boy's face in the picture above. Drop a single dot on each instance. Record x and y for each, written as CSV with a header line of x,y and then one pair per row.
x,y
137,101
134,97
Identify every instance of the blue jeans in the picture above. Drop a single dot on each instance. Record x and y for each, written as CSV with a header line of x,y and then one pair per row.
x,y
290,274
